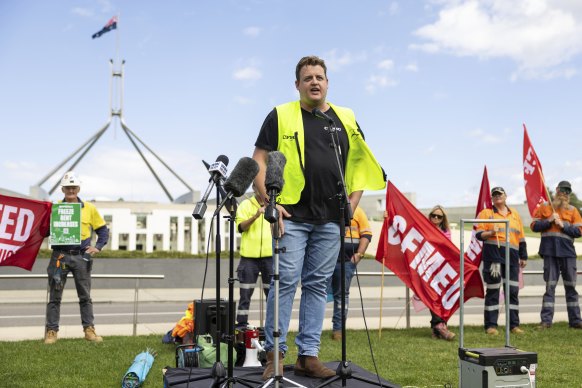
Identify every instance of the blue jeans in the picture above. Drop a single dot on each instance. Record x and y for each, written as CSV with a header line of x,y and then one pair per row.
x,y
334,287
310,255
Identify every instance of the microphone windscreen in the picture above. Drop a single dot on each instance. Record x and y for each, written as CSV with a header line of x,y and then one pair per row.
x,y
274,176
223,159
241,176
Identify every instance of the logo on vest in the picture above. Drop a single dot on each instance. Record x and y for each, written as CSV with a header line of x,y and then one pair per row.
x,y
332,129
288,137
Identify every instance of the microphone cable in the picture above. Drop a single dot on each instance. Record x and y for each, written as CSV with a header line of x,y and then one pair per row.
x,y
376,372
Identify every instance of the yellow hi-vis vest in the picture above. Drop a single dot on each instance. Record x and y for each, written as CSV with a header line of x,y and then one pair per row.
x,y
363,172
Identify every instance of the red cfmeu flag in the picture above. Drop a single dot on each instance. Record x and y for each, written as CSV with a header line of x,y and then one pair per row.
x,y
24,223
423,258
111,25
474,251
533,176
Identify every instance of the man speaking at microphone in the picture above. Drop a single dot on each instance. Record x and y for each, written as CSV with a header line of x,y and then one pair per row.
x,y
309,207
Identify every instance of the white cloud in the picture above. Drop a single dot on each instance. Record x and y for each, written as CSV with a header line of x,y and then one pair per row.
x,y
101,177
484,137
248,73
84,12
413,67
252,31
378,81
574,166
539,35
386,64
545,74
391,10
335,60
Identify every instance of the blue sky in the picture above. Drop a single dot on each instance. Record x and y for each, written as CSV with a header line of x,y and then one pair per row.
x,y
441,88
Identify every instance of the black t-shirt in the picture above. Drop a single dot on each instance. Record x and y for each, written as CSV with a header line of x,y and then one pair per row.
x,y
319,202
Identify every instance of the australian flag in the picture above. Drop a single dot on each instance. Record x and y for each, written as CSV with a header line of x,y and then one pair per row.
x,y
111,25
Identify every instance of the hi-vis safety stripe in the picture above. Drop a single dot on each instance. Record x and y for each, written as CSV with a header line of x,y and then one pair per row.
x,y
251,286
557,234
495,286
495,307
355,230
501,243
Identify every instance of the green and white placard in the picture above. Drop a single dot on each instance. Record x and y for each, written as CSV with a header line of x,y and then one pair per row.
x,y
65,224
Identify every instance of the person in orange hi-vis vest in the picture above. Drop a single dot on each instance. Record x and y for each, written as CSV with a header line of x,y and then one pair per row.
x,y
559,224
494,237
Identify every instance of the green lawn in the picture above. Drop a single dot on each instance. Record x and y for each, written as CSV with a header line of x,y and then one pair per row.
x,y
406,357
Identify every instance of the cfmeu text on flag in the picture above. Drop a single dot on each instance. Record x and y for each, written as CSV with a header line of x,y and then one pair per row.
x,y
423,258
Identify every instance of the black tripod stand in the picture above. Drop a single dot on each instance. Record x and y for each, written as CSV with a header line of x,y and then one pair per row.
x,y
344,370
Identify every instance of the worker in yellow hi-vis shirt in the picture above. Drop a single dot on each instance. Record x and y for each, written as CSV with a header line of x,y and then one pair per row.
x,y
77,259
256,252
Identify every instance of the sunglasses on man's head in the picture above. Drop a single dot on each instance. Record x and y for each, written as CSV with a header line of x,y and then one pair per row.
x,y
565,190
437,216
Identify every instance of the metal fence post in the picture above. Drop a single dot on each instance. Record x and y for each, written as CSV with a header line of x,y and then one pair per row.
x,y
135,302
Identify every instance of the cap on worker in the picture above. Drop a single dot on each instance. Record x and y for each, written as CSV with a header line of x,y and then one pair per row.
x,y
70,179
565,185
497,190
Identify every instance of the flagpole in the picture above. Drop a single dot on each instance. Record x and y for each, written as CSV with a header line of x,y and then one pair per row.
x,y
546,189
381,297
117,38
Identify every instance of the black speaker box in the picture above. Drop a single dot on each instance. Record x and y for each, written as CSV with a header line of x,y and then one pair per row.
x,y
206,318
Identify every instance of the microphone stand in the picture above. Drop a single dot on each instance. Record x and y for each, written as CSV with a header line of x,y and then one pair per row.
x,y
218,372
272,216
344,369
230,380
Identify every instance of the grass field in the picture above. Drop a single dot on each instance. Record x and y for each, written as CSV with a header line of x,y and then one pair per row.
x,y
407,357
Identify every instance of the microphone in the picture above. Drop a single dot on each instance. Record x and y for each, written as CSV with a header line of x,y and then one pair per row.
x,y
319,114
239,180
217,172
274,183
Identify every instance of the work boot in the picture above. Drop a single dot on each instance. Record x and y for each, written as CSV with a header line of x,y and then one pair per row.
x,y
50,337
517,330
91,336
311,366
336,335
270,366
491,331
576,326
441,331
544,326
